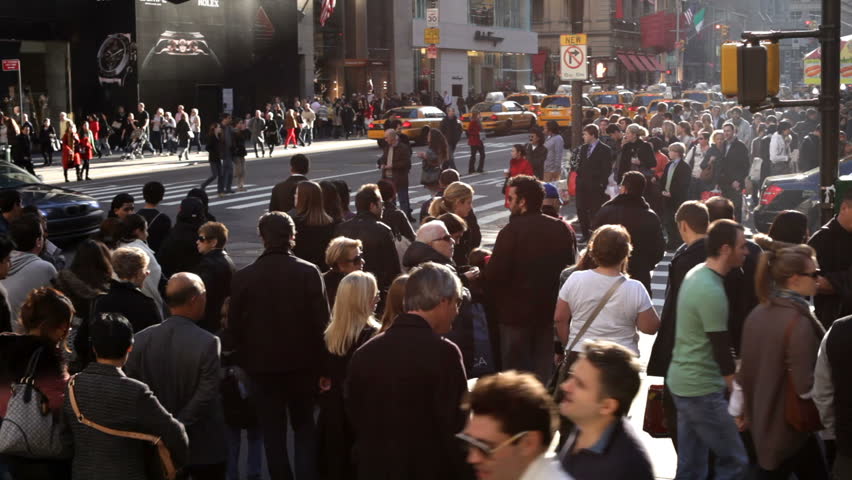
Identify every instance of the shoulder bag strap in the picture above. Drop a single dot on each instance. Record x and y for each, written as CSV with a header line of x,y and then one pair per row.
x,y
788,332
29,373
596,311
109,431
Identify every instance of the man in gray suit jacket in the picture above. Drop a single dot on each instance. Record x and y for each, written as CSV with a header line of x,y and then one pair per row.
x,y
180,362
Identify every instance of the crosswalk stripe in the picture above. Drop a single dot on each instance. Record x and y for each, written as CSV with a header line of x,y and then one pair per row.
x,y
494,217
183,190
249,205
235,200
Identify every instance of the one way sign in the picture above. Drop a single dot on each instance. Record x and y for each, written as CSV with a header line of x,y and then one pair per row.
x,y
572,57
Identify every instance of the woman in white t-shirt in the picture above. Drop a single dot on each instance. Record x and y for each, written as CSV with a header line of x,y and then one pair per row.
x,y
628,309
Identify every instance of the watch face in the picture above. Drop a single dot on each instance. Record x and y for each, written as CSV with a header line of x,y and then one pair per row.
x,y
113,55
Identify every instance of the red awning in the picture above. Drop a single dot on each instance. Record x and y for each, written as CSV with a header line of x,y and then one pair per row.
x,y
627,63
538,61
649,67
657,64
639,65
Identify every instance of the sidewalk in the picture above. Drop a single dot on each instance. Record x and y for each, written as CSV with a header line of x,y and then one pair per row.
x,y
113,166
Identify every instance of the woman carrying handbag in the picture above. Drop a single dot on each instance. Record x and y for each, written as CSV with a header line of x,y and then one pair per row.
x,y
780,341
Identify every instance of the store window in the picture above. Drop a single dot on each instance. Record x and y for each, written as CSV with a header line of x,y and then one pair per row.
x,y
491,72
500,13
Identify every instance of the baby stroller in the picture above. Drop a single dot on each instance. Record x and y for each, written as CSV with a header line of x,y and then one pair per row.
x,y
138,139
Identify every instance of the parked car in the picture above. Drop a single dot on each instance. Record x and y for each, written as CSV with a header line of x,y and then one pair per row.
x,y
795,191
415,123
501,117
70,215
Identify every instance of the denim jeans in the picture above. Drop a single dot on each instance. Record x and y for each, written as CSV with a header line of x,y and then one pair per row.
x,y
254,453
704,425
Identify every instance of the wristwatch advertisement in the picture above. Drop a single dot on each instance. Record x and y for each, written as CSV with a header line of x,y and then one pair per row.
x,y
116,59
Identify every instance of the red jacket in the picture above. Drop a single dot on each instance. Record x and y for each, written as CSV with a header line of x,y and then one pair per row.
x,y
473,130
95,127
518,166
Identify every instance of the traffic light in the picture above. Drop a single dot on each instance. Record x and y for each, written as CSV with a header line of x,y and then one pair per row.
x,y
668,72
773,68
750,72
725,31
601,70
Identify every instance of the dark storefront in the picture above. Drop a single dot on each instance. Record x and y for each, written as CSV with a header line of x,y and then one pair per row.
x,y
93,55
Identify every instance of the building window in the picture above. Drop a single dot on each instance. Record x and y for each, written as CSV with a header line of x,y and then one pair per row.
x,y
482,12
537,11
796,15
500,13
420,8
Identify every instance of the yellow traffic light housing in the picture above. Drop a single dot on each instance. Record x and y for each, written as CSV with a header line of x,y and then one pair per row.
x,y
730,66
750,72
773,68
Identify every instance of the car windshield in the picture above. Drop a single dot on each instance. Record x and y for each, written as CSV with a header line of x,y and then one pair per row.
x,y
521,99
487,107
556,102
14,177
605,99
402,113
645,100
696,96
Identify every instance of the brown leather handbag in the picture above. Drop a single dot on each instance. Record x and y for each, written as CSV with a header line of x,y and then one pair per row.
x,y
168,466
800,413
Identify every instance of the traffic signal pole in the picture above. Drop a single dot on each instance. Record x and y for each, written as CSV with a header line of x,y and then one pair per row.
x,y
828,100
576,9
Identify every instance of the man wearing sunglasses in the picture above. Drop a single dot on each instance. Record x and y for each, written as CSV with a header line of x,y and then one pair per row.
x,y
511,424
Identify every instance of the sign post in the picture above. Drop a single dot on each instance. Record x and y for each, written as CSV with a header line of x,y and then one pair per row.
x,y
14,65
432,37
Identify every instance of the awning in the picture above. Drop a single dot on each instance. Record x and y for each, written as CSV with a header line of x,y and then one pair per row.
x,y
627,63
639,65
657,64
649,67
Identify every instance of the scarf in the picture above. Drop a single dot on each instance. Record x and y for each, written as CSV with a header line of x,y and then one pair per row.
x,y
792,296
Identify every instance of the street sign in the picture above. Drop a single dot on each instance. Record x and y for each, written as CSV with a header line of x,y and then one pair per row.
x,y
432,18
572,62
432,51
11,65
577,39
432,35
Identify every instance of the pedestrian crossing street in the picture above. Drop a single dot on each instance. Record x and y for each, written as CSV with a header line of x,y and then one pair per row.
x,y
488,201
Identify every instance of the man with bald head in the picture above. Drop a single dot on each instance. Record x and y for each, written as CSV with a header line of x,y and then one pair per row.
x,y
179,361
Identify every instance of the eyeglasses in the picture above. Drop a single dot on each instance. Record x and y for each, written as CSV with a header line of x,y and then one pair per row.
x,y
201,238
445,238
815,274
356,259
485,449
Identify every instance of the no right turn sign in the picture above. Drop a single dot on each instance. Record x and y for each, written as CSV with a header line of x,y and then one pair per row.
x,y
572,58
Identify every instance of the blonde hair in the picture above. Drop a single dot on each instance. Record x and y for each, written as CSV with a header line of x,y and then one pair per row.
x,y
454,193
353,310
337,248
715,133
779,262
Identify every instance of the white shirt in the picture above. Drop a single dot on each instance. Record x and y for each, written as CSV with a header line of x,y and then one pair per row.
x,y
616,322
195,123
695,156
545,468
779,151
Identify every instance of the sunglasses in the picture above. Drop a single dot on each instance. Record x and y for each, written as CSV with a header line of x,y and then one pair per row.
x,y
487,450
356,259
815,274
445,238
201,238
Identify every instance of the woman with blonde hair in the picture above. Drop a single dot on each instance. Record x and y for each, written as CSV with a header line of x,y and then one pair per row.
x,y
458,200
314,227
352,324
343,256
780,342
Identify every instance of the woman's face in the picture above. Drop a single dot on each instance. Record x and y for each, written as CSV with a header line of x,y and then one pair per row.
x,y
351,262
516,154
463,207
805,283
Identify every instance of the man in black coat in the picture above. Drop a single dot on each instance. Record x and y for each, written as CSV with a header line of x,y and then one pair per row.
x,y
278,313
692,221
733,169
159,224
636,154
810,152
380,255
676,179
283,197
180,363
411,379
834,255
178,252
215,269
523,278
452,130
593,170
630,210
23,150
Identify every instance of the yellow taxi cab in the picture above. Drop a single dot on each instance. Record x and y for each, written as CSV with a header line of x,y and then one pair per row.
x,y
644,99
558,108
530,100
707,98
614,99
502,117
414,121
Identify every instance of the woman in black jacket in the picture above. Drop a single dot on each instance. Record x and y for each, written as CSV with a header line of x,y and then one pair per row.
x,y
214,155
314,227
393,216
182,131
178,253
46,136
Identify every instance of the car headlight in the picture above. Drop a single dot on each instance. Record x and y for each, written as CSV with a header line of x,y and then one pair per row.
x,y
94,204
45,212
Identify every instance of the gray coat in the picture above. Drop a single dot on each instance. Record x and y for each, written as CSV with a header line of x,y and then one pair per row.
x,y
109,398
180,362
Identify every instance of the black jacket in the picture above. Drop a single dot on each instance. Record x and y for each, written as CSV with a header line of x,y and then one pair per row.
x,y
686,257
180,363
537,156
643,225
332,280
733,166
834,255
838,344
23,149
452,130
810,153
126,299
159,225
284,193
641,150
278,314
593,171
523,274
471,239
397,221
79,292
178,252
680,185
380,256
311,242
108,397
215,269
407,379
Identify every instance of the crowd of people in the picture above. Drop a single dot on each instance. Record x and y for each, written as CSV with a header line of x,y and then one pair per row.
x,y
379,327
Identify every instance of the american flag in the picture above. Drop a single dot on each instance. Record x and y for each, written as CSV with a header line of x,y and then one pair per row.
x,y
688,16
327,11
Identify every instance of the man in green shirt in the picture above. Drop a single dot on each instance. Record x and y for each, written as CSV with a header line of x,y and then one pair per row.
x,y
702,364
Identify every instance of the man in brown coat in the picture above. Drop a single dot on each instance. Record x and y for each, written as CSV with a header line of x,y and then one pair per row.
x,y
395,164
